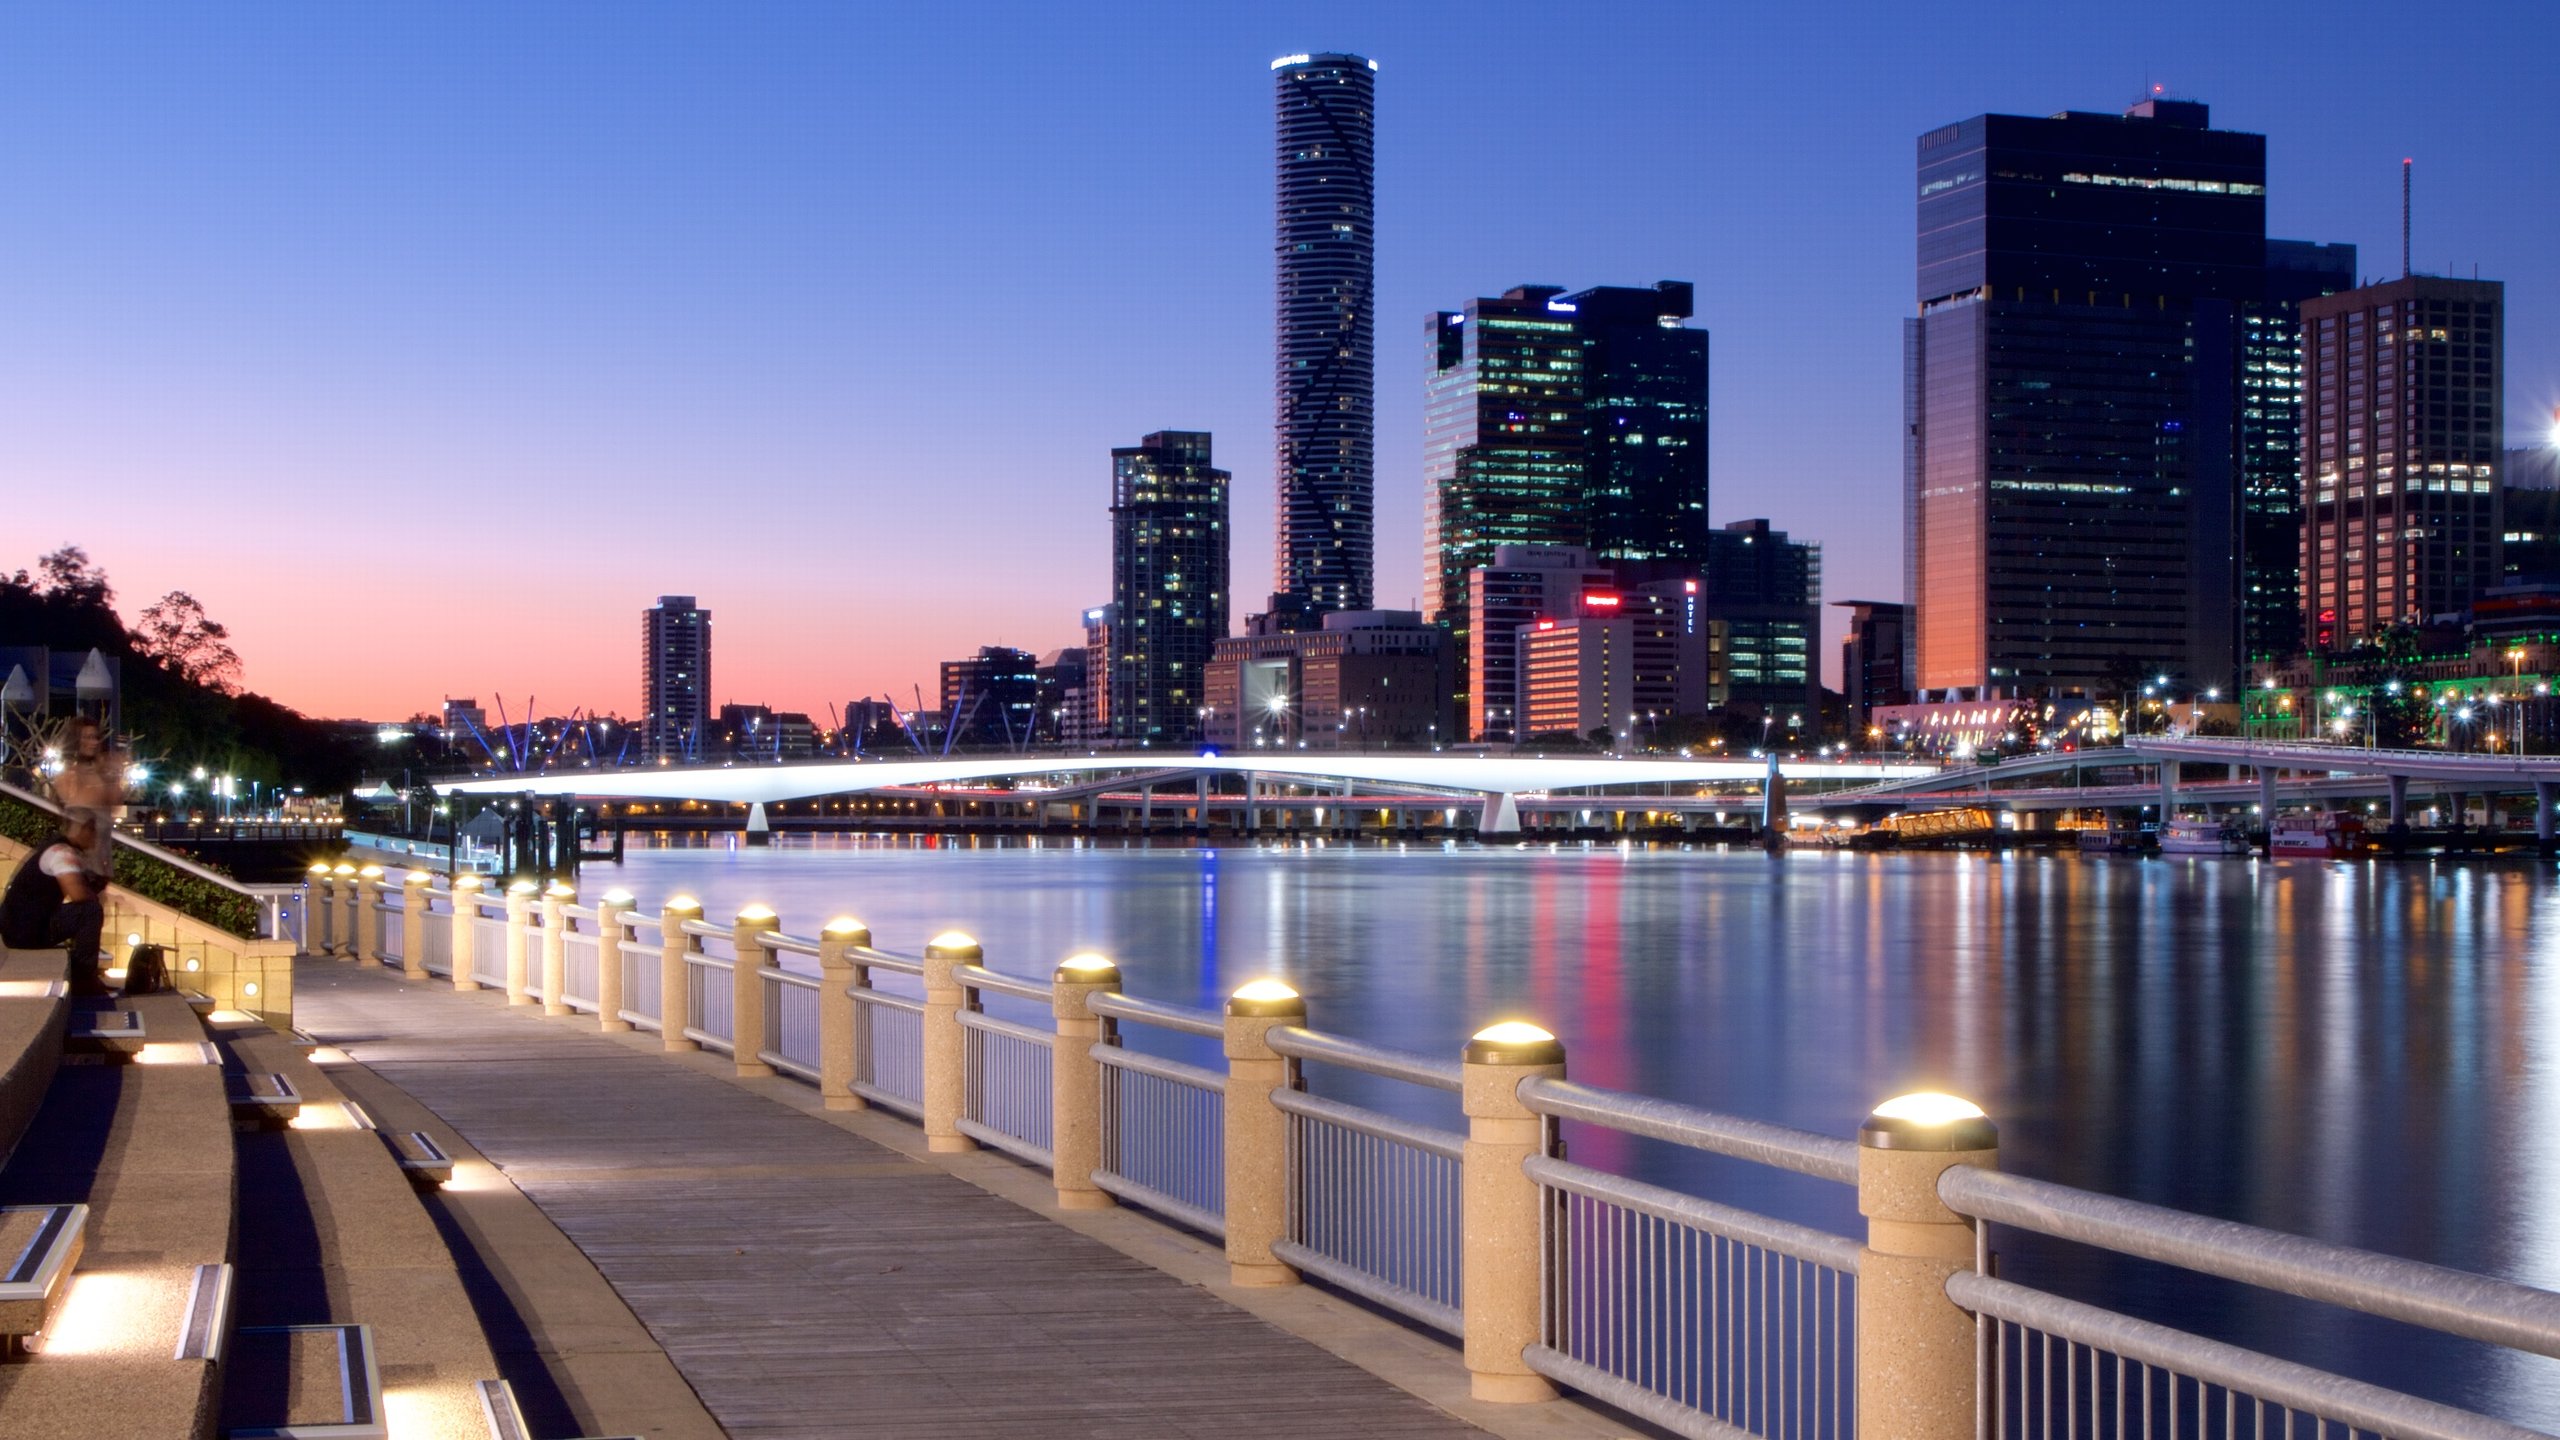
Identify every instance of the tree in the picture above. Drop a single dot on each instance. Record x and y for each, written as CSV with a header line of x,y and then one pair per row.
x,y
69,577
176,632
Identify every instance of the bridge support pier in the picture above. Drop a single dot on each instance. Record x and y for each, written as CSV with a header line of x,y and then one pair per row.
x,y
2267,808
2546,796
2168,791
1500,815
2399,831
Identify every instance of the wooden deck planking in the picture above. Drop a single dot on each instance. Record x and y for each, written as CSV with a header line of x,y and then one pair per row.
x,y
808,1282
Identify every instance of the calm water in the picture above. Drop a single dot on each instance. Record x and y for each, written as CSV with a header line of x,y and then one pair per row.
x,y
2361,1052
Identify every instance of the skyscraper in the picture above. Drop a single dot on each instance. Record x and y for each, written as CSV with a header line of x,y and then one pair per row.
x,y
1556,419
1168,585
1767,589
1327,376
2269,451
675,679
2073,398
2400,460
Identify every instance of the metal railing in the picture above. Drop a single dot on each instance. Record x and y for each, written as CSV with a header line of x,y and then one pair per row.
x,y
1163,1124
581,954
1704,1317
641,972
488,946
1005,1068
711,995
888,1035
1374,1201
790,1040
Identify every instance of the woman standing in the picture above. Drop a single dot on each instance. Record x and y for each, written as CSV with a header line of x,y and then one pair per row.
x,y
92,783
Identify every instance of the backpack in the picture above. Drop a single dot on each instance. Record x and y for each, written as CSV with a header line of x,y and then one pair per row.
x,y
146,971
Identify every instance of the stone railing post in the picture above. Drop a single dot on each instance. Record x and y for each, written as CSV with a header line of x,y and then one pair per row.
x,y
368,947
946,1045
1075,1080
316,909
1257,1158
1501,1256
417,892
611,999
675,977
746,993
555,947
836,1019
1916,1365
519,936
342,926
466,918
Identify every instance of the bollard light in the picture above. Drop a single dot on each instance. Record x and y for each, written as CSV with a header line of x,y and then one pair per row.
x,y
1270,996
522,887
560,890
371,872
844,926
684,902
342,869
418,877
1514,1042
1928,1120
1087,968
952,942
319,867
617,896
756,914
469,882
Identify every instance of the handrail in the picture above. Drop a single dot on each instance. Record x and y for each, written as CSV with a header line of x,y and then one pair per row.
x,y
1139,1061
704,929
793,977
1430,1140
2476,1307
2350,1403
979,977
1027,1034
883,960
1784,1237
781,944
1300,1043
1759,1141
144,847
1155,1012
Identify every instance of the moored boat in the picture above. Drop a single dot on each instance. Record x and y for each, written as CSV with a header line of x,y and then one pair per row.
x,y
2203,837
2324,834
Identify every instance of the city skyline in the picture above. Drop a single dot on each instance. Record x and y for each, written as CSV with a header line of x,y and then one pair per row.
x,y
386,294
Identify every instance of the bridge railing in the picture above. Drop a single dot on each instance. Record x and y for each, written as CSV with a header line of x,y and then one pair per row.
x,y
1704,1317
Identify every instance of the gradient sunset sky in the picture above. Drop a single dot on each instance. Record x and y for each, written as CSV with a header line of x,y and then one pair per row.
x,y
427,344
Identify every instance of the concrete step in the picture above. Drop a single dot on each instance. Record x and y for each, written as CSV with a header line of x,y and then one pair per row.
x,y
304,1382
44,1244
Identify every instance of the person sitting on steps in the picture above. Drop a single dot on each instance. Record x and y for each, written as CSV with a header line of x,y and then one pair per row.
x,y
53,900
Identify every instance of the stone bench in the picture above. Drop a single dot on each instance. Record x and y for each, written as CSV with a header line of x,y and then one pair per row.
x,y
40,1247
145,1148
34,1006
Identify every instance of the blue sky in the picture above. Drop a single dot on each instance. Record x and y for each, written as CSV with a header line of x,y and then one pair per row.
x,y
478,326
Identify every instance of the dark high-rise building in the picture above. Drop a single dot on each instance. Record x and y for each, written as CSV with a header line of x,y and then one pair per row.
x,y
675,679
2404,438
1767,591
1871,657
2268,449
2071,403
1168,584
1327,381
993,697
1554,419
1644,422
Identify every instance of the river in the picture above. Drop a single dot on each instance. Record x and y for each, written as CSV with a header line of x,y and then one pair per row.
x,y
2365,1052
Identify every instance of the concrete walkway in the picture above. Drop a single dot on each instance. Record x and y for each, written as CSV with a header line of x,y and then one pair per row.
x,y
807,1281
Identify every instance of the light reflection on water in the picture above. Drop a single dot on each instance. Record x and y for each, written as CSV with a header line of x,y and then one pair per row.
x,y
2364,1053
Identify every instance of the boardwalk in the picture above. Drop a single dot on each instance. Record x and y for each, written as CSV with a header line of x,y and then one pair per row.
x,y
808,1282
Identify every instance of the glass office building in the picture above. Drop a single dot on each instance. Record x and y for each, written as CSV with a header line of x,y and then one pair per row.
x,y
2073,464
1168,585
1327,381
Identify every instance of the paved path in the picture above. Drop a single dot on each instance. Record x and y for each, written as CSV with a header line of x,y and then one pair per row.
x,y
808,1282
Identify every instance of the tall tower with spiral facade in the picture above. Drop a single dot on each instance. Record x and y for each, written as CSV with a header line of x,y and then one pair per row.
x,y
1327,381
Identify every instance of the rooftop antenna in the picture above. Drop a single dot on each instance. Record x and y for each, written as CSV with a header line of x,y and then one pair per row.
x,y
2405,163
